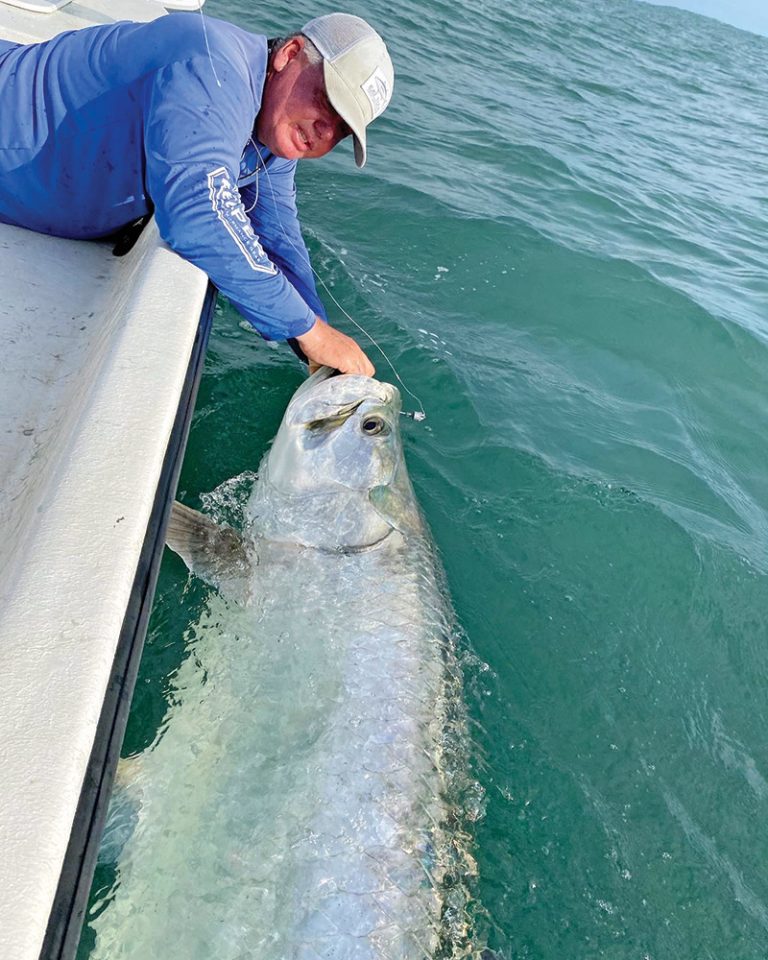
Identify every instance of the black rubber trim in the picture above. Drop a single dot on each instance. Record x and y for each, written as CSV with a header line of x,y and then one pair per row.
x,y
64,925
126,237
293,343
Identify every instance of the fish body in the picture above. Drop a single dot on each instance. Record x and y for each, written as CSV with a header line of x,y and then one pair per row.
x,y
296,804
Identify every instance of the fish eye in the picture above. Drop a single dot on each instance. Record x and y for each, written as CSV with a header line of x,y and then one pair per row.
x,y
373,425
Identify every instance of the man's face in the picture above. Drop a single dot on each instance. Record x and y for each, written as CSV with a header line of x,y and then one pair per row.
x,y
296,120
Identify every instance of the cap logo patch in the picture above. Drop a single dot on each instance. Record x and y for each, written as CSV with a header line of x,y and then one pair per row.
x,y
377,89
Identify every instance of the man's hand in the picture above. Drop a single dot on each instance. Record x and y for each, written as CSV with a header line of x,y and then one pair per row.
x,y
323,345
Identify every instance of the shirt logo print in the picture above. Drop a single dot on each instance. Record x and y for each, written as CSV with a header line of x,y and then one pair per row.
x,y
228,207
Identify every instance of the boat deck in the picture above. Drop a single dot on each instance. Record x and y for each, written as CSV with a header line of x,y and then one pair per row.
x,y
99,361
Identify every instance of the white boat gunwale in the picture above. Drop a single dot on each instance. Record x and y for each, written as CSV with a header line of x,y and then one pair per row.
x,y
65,923
101,360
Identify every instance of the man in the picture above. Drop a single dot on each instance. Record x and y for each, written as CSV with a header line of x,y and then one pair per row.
x,y
201,123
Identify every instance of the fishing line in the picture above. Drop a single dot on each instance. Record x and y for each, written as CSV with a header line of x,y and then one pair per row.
x,y
207,45
255,193
415,415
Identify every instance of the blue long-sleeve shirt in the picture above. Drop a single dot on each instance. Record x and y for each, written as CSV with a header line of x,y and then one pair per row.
x,y
103,125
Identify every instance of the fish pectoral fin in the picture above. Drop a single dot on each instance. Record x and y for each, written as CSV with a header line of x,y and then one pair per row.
x,y
123,812
215,553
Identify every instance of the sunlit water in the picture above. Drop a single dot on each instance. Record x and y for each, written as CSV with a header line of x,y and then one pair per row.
x,y
559,241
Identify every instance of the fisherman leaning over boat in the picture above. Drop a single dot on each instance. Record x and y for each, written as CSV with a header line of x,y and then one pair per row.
x,y
201,123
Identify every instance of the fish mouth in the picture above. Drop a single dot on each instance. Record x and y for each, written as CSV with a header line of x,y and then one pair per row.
x,y
335,419
319,376
327,398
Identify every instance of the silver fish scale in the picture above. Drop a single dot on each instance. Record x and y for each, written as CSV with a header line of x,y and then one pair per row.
x,y
294,805
368,867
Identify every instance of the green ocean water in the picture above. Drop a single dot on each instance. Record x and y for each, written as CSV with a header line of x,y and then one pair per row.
x,y
558,241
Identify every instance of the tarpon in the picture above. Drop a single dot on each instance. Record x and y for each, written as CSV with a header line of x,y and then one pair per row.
x,y
300,800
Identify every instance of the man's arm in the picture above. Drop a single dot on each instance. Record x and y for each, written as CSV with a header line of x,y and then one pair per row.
x,y
271,206
194,131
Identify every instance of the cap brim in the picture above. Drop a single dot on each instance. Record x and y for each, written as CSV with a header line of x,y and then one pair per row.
x,y
360,152
344,104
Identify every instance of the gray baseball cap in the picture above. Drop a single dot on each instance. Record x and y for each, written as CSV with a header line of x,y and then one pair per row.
x,y
359,76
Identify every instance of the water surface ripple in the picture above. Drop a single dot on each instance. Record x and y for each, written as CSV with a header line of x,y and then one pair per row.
x,y
559,239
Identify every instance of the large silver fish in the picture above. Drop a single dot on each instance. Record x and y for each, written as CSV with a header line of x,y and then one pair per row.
x,y
299,801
